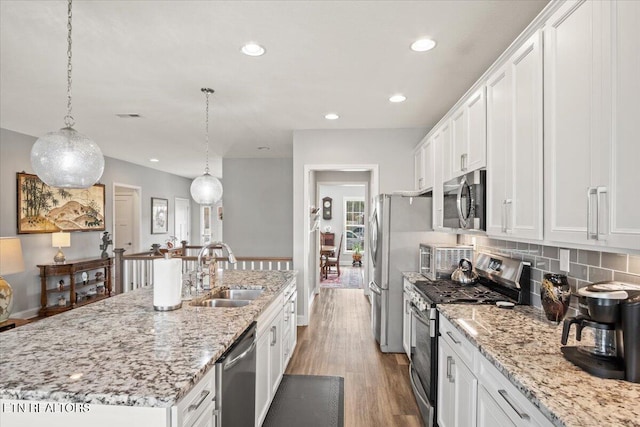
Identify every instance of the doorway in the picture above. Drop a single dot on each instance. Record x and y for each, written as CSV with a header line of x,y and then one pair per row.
x,y
126,217
182,220
311,245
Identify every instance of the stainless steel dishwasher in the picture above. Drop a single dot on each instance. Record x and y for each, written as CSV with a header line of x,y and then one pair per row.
x,y
236,382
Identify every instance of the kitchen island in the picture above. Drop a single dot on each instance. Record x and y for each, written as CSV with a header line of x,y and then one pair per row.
x,y
120,351
525,348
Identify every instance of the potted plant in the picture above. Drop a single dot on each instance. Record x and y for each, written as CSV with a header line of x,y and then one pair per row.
x,y
356,255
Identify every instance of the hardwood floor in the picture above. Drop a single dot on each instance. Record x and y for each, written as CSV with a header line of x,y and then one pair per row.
x,y
339,342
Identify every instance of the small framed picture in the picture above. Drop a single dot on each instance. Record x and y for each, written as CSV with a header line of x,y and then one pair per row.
x,y
159,216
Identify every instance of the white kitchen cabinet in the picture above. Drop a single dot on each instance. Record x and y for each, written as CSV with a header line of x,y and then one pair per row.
x,y
269,363
457,387
468,125
489,412
289,323
441,148
423,166
515,145
591,124
512,403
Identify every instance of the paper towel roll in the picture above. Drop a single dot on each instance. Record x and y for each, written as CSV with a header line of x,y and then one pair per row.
x,y
167,284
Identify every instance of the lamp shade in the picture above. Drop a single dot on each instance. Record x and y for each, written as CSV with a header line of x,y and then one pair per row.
x,y
60,240
11,261
206,189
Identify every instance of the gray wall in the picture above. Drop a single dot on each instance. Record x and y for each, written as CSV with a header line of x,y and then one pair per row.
x,y
15,149
258,206
338,194
387,148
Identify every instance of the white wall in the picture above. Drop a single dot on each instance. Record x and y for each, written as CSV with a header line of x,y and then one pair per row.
x,y
15,149
257,200
338,193
390,149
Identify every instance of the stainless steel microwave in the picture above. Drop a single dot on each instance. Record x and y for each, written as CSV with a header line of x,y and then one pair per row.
x,y
464,202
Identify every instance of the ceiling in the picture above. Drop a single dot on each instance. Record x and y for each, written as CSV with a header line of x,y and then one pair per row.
x,y
152,57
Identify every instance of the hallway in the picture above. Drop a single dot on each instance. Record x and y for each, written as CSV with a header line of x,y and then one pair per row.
x,y
339,342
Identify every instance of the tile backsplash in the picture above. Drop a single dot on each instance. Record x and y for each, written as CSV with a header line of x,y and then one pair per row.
x,y
585,266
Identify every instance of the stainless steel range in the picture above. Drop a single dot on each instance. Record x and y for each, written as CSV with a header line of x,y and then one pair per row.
x,y
500,279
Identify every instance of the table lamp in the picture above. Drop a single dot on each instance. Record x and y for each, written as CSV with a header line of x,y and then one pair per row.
x,y
60,240
10,263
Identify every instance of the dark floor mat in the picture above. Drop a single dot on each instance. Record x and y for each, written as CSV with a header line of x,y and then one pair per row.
x,y
307,401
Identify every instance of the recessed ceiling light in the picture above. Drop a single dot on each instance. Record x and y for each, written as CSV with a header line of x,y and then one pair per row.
x,y
331,116
154,160
398,98
253,49
423,45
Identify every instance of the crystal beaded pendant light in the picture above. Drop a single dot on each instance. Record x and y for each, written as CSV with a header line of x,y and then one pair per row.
x,y
67,158
206,189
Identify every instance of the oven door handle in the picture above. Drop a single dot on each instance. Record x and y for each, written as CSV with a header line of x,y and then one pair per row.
x,y
419,316
418,395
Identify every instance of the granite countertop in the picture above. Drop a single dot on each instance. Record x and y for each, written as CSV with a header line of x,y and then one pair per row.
x,y
525,347
413,277
127,353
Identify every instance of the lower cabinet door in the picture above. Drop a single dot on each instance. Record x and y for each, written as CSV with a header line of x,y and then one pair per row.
x,y
489,412
208,418
263,385
457,389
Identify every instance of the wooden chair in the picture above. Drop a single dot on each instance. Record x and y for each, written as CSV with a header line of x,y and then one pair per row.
x,y
327,239
333,261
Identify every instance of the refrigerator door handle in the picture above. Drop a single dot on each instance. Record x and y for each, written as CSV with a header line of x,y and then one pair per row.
x,y
375,289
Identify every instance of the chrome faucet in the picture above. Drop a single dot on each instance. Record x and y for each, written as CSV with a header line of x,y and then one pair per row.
x,y
205,249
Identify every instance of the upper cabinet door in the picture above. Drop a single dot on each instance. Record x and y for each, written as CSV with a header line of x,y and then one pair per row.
x,y
428,164
477,132
620,146
445,148
570,113
592,63
468,125
458,141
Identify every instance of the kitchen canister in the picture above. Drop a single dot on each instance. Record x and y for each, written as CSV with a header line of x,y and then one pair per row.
x,y
555,294
167,284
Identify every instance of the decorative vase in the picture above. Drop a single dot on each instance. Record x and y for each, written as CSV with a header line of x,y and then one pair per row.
x,y
555,294
6,299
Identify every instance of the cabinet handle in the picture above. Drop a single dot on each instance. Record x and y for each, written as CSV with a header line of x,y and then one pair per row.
x,y
273,335
507,210
504,208
407,309
203,396
450,362
520,413
461,162
455,341
590,192
599,192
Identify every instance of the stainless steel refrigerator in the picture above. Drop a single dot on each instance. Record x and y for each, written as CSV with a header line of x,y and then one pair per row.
x,y
397,226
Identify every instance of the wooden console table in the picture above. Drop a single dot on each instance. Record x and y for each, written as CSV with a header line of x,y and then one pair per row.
x,y
80,284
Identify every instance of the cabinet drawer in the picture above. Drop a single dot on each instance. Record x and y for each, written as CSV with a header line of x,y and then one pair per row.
x,y
458,342
514,404
199,399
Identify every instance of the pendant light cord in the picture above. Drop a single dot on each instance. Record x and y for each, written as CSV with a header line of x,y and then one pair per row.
x,y
207,92
68,119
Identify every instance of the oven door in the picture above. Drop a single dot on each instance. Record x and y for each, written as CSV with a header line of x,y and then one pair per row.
x,y
424,363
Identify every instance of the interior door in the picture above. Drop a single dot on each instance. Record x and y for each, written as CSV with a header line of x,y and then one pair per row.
x,y
124,222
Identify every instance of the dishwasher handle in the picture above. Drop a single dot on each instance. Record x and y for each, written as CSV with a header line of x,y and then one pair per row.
x,y
231,363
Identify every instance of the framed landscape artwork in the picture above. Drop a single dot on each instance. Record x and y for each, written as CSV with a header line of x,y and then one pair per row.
x,y
159,216
44,209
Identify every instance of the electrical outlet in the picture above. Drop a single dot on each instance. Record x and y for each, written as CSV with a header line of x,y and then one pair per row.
x,y
564,259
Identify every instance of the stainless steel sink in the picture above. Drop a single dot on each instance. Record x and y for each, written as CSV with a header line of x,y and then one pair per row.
x,y
239,294
221,302
229,298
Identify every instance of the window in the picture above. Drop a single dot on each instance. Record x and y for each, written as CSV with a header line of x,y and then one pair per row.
x,y
354,222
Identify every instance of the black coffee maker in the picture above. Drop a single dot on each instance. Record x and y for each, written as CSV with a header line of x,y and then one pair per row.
x,y
612,311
